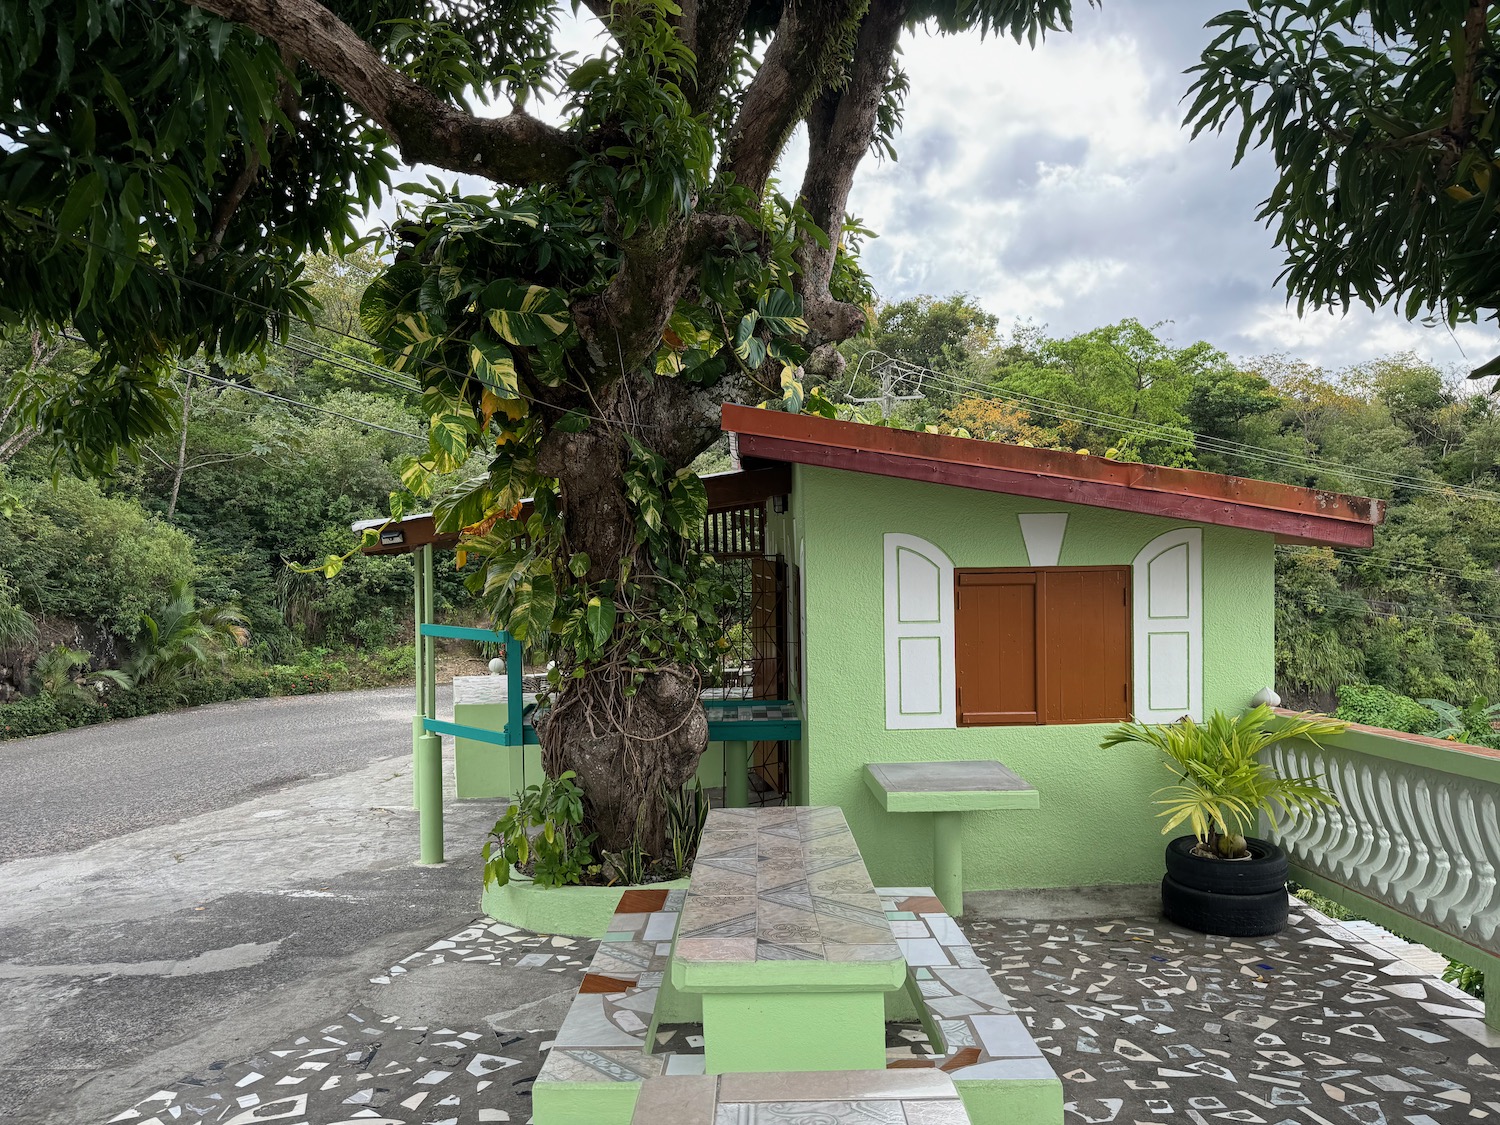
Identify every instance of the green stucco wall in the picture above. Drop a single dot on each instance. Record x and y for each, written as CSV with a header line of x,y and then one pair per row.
x,y
1096,823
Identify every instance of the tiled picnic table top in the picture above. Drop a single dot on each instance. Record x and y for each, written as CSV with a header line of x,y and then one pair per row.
x,y
783,890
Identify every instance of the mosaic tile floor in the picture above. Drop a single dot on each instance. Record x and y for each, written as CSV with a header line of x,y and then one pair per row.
x,y
1147,1023
1144,1023
499,945
360,1070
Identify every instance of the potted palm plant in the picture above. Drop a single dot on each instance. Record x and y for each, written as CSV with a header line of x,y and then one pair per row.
x,y
1220,880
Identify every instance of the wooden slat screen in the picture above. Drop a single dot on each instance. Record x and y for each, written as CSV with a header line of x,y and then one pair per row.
x,y
1044,645
735,533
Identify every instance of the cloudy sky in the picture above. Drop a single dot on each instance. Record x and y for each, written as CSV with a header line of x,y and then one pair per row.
x,y
1056,185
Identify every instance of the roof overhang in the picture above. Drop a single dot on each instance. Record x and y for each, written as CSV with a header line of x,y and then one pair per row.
x,y
1290,513
725,490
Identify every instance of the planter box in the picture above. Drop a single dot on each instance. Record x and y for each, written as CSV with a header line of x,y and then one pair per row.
x,y
568,911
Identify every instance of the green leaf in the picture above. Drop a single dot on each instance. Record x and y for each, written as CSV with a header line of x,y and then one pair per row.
x,y
687,504
579,564
492,364
601,619
465,505
782,313
791,389
416,477
525,315
572,423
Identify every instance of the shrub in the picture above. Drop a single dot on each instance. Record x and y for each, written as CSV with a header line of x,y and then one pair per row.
x,y
75,553
44,714
1375,706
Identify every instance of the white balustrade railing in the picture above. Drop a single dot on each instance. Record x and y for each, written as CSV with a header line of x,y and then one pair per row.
x,y
1414,842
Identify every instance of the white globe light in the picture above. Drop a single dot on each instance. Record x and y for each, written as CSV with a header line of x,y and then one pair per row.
x,y
497,666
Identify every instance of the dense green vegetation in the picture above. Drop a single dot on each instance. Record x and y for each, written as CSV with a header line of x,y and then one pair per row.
x,y
265,484
1417,614
249,488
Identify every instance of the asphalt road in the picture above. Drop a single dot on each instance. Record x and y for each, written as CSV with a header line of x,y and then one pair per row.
x,y
186,888
66,791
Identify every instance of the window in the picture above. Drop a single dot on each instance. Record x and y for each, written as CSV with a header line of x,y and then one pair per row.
x,y
1045,645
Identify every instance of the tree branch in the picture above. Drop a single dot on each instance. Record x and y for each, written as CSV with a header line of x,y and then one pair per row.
x,y
516,149
840,128
801,59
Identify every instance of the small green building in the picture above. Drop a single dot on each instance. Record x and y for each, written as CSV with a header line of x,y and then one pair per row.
x,y
922,598
956,599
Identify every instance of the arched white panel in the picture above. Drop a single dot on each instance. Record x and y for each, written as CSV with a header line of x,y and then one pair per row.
x,y
1043,535
1168,598
919,672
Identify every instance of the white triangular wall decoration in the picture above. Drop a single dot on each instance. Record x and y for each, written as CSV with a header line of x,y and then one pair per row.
x,y
1044,536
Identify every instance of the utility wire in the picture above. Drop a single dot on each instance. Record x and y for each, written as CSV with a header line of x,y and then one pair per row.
x,y
1137,428
1050,407
231,385
1134,428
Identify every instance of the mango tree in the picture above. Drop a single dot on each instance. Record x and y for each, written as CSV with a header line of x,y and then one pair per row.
x,y
166,166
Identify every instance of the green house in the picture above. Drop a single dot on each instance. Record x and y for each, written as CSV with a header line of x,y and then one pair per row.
x,y
961,600
918,598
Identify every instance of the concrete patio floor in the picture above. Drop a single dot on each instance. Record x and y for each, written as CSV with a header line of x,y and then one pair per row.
x,y
1142,1021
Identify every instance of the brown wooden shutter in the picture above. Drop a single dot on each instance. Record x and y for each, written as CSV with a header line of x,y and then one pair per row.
x,y
1086,645
998,625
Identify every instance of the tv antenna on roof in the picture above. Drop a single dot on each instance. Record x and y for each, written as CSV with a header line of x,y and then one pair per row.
x,y
895,376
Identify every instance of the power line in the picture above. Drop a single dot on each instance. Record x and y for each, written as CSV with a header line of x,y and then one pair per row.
x,y
1137,428
231,385
1134,428
267,309
1377,560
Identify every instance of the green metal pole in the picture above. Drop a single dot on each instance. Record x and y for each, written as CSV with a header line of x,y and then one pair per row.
x,y
429,604
429,769
948,860
430,796
736,775
1492,995
418,617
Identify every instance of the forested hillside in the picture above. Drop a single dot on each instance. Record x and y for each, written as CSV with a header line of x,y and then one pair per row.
x,y
271,464
268,468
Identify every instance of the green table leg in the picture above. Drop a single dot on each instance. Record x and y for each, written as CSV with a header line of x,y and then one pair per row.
x,y
948,860
430,796
736,775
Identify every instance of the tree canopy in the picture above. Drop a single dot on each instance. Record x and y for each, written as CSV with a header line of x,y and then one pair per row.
x,y
1381,117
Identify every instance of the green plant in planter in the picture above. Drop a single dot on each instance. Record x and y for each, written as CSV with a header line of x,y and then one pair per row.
x,y
541,828
687,813
1222,782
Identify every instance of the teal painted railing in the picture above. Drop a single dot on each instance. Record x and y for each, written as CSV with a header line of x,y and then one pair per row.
x,y
1414,844
515,706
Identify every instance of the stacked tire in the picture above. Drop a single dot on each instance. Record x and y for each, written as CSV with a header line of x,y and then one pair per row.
x,y
1229,897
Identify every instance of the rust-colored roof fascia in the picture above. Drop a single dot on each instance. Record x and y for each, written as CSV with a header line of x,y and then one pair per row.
x,y
1294,515
725,490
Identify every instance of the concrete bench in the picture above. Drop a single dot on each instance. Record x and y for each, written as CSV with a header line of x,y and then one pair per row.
x,y
925,1096
980,1042
600,1056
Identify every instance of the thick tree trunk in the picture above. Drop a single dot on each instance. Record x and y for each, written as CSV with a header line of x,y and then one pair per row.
x,y
627,749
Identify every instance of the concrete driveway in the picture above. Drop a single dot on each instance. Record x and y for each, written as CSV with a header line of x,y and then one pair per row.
x,y
187,887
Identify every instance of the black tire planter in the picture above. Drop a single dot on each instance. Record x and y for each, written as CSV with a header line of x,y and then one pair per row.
x,y
1264,871
1226,915
1232,898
